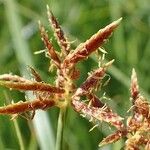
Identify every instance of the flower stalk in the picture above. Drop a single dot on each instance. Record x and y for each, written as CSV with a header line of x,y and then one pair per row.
x,y
60,129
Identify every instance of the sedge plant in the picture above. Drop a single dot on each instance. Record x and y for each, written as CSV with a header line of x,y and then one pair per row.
x,y
64,93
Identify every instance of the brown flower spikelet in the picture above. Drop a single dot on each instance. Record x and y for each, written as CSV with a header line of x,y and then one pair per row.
x,y
137,129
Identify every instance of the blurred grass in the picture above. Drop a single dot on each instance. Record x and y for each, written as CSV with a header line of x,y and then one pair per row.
x,y
79,19
19,136
24,58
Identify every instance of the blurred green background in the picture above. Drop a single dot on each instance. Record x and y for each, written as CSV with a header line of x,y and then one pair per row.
x,y
19,39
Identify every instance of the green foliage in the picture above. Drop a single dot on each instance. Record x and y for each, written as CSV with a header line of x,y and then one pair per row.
x,y
79,19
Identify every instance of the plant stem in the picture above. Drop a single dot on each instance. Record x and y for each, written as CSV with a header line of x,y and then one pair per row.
x,y
18,132
16,125
60,128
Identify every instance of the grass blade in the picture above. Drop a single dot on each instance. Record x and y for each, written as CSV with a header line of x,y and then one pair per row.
x,y
19,136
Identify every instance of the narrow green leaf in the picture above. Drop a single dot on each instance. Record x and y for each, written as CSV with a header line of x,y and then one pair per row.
x,y
19,136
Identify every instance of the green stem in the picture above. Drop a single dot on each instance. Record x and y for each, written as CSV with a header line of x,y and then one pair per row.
x,y
60,128
18,132
16,125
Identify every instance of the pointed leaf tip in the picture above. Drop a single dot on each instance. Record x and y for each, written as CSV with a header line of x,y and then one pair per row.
x,y
133,74
102,143
117,22
133,77
49,12
47,7
134,85
39,23
109,63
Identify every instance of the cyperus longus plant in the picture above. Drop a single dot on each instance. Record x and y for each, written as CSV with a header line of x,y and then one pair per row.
x,y
64,93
